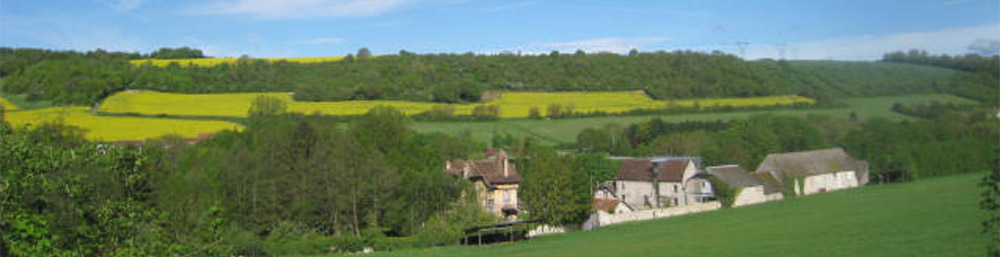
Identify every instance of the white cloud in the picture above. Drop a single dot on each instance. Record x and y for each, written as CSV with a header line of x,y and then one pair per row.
x,y
294,9
326,40
67,33
605,44
123,6
948,41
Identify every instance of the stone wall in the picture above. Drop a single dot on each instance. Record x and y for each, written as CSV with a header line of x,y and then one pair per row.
x,y
750,195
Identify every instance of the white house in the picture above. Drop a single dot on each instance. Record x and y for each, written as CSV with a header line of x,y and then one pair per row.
x,y
816,171
653,183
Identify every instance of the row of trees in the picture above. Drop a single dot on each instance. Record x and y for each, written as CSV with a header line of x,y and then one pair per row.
x,y
85,78
979,71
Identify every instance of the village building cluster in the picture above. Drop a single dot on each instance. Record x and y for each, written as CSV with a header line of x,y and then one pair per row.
x,y
665,185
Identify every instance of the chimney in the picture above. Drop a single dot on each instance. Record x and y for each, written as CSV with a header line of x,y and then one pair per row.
x,y
504,163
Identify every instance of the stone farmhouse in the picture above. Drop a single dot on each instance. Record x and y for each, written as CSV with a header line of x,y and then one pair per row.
x,y
495,180
752,190
816,171
655,183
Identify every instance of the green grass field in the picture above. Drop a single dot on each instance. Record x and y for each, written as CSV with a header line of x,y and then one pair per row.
x,y
931,217
564,130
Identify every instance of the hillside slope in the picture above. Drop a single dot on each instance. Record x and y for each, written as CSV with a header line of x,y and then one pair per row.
x,y
932,217
85,79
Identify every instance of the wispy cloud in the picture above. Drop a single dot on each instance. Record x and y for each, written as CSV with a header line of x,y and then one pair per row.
x,y
68,33
597,45
122,6
325,40
296,9
948,41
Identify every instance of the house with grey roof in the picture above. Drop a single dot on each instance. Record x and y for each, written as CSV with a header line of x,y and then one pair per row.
x,y
816,171
749,187
645,183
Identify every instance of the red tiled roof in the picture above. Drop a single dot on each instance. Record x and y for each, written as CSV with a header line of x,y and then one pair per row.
x,y
673,170
490,171
635,169
643,170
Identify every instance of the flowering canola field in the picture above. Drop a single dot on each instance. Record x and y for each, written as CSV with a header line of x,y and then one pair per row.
x,y
7,106
105,128
208,62
512,104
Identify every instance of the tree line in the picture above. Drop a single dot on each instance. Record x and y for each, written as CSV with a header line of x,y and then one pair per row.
x,y
86,78
979,70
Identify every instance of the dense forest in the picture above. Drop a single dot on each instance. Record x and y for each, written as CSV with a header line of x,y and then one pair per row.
x,y
86,78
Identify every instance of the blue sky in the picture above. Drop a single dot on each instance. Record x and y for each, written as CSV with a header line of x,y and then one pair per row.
x,y
843,30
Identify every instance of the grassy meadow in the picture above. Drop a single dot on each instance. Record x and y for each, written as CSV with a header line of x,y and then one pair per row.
x,y
511,104
118,128
208,62
931,217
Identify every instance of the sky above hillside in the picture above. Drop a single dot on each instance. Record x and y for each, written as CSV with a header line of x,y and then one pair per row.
x,y
838,30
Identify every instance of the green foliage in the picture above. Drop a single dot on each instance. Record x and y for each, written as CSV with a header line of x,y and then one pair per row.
x,y
727,195
176,53
594,139
990,202
982,73
486,112
86,78
534,113
554,191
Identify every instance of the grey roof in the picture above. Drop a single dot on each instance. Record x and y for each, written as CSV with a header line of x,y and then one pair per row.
x,y
811,162
734,176
771,184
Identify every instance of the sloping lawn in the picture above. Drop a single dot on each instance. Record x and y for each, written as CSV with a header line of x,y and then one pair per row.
x,y
931,217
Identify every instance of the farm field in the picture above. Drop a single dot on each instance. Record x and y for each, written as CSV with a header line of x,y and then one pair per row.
x,y
559,131
512,104
7,106
105,128
208,62
930,217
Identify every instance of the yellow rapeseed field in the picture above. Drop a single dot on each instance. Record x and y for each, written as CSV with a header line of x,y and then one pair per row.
x,y
512,104
105,128
7,105
208,62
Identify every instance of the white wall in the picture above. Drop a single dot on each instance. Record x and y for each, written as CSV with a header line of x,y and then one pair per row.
x,y
634,193
670,196
830,182
750,195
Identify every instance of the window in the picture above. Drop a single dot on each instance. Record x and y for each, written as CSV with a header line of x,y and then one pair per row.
x,y
623,197
675,188
506,196
675,202
489,204
623,186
